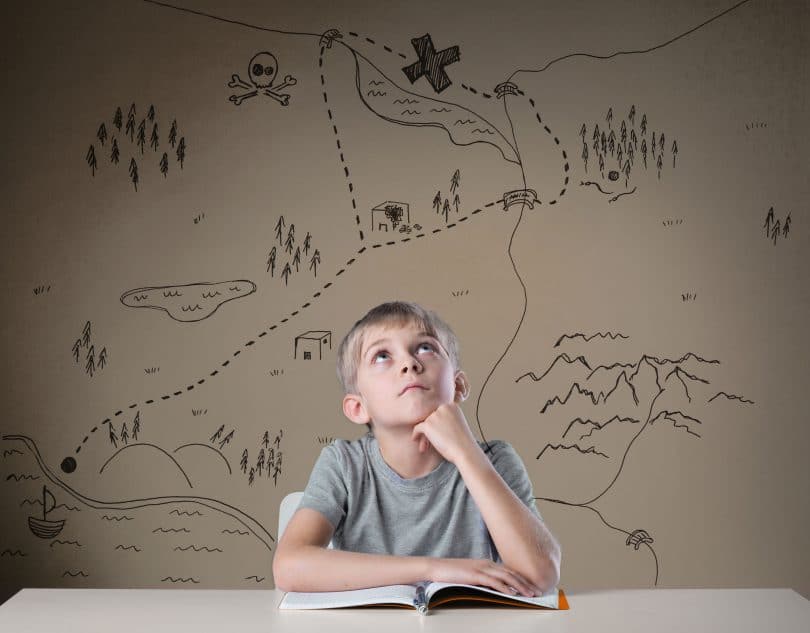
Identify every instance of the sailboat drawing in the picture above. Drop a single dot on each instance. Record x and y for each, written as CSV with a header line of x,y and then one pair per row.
x,y
43,528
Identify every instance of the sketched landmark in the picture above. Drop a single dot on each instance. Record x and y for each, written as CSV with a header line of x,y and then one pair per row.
x,y
312,344
389,215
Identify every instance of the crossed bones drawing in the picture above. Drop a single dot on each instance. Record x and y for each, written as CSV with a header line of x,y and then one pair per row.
x,y
262,70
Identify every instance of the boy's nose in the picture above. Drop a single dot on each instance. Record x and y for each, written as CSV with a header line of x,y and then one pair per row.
x,y
412,365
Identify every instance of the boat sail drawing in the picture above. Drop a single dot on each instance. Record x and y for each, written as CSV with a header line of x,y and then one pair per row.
x,y
43,528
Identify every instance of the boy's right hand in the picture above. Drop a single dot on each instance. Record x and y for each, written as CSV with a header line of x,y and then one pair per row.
x,y
471,571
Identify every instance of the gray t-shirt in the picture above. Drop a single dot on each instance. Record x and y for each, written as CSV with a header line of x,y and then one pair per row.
x,y
374,510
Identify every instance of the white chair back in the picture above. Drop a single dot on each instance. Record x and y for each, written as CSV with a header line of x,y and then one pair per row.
x,y
289,505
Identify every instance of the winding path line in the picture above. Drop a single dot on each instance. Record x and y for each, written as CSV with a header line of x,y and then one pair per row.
x,y
313,299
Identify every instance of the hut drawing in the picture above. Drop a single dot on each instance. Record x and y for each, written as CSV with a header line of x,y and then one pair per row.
x,y
389,215
311,345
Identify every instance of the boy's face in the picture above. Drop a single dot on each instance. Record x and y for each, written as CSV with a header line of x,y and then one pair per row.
x,y
403,375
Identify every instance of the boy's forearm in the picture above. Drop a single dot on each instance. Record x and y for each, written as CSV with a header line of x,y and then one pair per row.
x,y
524,542
312,568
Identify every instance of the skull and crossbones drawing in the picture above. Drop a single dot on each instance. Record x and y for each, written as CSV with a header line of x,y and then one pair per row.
x,y
262,71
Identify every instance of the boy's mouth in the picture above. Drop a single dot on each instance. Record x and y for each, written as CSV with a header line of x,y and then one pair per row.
x,y
412,386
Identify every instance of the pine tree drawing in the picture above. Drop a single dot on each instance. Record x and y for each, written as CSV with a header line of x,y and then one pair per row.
x,y
290,241
91,160
252,476
674,151
113,436
286,272
585,156
313,263
786,228
266,439
297,258
102,358
90,366
260,462
643,124
124,434
227,439
768,221
632,115
660,163
133,172
279,228
307,240
101,135
244,461
217,434
173,133
115,154
118,118
153,139
151,113
456,202
455,181
446,209
136,426
437,201
609,117
86,333
164,164
181,151
130,128
776,230
141,138
271,262
75,349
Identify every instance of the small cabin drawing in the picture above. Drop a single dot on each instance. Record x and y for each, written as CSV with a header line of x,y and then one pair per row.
x,y
310,345
389,215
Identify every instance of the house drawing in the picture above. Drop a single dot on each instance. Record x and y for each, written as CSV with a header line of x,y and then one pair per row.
x,y
310,345
389,215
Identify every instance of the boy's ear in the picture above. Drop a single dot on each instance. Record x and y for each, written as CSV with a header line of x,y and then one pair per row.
x,y
354,409
462,386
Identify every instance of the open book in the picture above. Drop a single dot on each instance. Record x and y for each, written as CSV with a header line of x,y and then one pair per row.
x,y
419,597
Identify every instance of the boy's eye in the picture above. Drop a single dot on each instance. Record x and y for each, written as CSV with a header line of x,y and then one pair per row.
x,y
379,357
425,347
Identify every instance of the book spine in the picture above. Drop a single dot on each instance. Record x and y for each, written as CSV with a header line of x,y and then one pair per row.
x,y
419,602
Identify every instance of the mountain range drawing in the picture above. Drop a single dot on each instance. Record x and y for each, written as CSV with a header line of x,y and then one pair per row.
x,y
594,412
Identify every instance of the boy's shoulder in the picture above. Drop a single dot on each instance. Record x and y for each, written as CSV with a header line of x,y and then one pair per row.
x,y
349,450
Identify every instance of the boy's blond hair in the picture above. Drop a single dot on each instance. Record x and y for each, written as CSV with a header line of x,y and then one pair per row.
x,y
397,313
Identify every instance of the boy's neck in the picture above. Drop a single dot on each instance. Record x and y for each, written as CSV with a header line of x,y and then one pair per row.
x,y
402,454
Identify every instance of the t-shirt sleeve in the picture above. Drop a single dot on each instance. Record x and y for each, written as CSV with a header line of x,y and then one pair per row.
x,y
510,467
326,491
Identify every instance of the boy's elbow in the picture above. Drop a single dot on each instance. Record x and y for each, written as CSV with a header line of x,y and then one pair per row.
x,y
284,570
547,571
279,573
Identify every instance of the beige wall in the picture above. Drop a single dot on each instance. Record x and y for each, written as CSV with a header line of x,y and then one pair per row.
x,y
675,405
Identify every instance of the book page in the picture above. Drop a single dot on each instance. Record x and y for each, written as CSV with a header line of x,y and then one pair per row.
x,y
549,599
392,594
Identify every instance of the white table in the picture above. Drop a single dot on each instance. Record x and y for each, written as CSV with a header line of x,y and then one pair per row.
x,y
254,611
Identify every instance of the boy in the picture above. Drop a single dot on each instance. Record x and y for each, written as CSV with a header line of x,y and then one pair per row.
x,y
416,498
